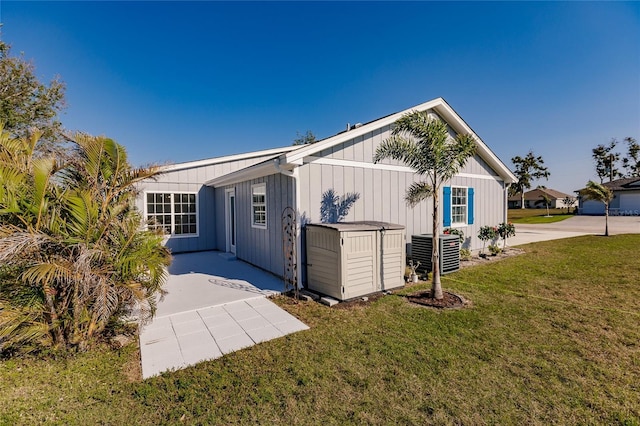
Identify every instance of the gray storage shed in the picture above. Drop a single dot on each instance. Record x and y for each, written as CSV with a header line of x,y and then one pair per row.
x,y
353,259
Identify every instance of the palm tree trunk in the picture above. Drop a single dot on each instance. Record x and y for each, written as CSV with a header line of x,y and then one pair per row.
x,y
436,287
522,199
606,220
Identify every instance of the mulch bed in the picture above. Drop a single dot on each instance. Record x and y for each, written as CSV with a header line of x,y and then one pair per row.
x,y
477,260
449,301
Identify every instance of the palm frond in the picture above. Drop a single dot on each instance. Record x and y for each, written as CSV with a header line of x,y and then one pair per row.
x,y
417,192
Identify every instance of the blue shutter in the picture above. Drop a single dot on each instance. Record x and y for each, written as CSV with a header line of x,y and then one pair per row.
x,y
470,206
446,209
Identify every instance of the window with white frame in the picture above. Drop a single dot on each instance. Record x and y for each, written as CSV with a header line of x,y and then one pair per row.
x,y
259,206
174,212
458,206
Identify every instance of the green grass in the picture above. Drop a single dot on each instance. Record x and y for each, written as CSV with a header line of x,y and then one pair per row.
x,y
537,215
552,338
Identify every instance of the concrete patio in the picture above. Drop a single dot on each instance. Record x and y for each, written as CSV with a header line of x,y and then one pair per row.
x,y
216,305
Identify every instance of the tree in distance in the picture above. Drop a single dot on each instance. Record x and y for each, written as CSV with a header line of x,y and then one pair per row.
x,y
28,105
307,138
598,192
528,169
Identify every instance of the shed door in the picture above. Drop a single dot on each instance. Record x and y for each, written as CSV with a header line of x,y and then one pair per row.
x,y
392,259
360,263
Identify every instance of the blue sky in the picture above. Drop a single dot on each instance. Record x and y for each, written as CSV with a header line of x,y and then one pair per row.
x,y
176,82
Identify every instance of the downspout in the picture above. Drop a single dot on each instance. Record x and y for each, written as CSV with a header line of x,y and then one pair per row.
x,y
505,208
296,178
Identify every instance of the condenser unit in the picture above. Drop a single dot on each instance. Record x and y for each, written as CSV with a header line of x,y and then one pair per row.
x,y
449,248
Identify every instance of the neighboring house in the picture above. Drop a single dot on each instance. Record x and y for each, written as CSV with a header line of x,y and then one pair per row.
x,y
235,204
626,199
534,199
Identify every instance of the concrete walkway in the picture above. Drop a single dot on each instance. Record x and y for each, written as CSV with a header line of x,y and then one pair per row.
x,y
216,305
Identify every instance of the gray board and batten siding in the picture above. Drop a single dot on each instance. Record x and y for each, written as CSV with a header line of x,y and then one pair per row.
x,y
261,247
297,177
348,168
189,178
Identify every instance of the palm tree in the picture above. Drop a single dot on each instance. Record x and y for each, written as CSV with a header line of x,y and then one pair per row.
x,y
423,143
599,192
547,202
74,257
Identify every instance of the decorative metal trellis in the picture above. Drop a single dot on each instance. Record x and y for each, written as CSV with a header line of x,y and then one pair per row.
x,y
289,249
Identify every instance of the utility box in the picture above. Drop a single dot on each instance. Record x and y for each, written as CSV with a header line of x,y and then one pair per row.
x,y
353,259
449,248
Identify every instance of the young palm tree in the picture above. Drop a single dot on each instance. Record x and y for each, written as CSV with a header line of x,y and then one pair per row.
x,y
73,254
423,143
547,202
598,192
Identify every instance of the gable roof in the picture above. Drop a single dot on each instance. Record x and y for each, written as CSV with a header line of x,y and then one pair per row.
x,y
291,159
536,194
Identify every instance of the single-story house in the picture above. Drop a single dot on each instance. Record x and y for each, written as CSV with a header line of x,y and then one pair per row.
x,y
534,199
236,203
626,199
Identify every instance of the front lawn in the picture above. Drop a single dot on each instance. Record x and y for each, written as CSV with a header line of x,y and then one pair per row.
x,y
537,215
553,337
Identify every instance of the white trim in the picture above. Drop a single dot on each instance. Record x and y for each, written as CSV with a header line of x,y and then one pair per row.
x,y
390,167
466,207
225,159
265,168
294,157
259,225
173,213
440,107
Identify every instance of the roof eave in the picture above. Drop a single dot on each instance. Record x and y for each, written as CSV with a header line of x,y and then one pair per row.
x,y
440,106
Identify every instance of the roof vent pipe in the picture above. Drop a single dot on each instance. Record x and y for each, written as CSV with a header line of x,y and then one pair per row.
x,y
348,127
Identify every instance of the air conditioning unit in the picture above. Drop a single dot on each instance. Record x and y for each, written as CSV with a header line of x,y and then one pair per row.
x,y
422,247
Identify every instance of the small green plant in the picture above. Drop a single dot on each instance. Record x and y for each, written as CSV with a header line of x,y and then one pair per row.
x,y
494,249
506,230
454,231
487,233
465,254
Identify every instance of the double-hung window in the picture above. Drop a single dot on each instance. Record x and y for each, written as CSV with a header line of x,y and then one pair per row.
x,y
259,206
176,213
458,206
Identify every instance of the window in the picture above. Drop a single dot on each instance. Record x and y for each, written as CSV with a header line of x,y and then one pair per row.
x,y
259,206
459,206
175,213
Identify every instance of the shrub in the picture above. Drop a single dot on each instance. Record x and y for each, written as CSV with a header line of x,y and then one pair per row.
x,y
454,231
494,249
487,233
465,254
506,230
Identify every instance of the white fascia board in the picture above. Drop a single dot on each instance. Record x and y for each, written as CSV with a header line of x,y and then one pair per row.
x,y
359,131
265,168
225,159
440,106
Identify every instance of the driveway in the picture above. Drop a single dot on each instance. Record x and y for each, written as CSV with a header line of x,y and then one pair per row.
x,y
573,227
215,305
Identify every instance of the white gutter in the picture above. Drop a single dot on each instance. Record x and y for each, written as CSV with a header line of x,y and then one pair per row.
x,y
295,175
